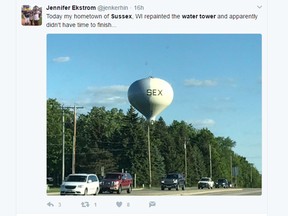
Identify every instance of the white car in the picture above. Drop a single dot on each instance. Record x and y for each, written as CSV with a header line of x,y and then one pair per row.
x,y
205,182
80,184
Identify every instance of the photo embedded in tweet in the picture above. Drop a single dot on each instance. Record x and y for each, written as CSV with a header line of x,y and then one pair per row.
x,y
183,77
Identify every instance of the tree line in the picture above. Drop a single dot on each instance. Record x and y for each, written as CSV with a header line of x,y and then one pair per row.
x,y
114,141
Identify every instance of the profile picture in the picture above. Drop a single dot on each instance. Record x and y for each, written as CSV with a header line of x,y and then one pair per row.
x,y
31,16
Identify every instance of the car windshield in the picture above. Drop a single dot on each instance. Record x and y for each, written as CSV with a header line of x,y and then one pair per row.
x,y
171,176
205,179
76,178
113,176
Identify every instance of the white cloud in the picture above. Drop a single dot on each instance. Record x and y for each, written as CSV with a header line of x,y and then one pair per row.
x,y
200,83
222,99
204,123
108,89
107,96
62,59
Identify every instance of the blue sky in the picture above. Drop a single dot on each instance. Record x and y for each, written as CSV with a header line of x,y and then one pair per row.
x,y
216,78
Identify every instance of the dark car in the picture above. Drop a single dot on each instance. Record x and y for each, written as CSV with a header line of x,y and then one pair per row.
x,y
116,181
173,180
100,178
222,183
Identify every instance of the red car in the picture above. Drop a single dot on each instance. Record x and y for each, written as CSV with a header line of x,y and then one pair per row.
x,y
116,181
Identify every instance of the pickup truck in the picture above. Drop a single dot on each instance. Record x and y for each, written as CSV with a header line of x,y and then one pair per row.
x,y
173,180
205,182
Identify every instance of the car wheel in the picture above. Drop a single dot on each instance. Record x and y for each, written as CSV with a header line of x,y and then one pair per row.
x,y
183,187
96,192
119,190
129,190
85,192
177,187
162,188
169,188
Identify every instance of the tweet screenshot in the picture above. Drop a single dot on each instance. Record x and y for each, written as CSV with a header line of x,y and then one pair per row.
x,y
142,107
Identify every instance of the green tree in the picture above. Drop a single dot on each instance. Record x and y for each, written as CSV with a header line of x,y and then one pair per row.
x,y
134,144
93,141
196,164
55,139
161,138
118,141
203,139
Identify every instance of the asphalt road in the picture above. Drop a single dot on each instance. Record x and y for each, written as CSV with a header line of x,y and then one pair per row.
x,y
193,191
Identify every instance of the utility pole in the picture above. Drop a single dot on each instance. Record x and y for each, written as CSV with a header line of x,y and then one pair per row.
x,y
210,159
185,158
251,178
149,156
63,139
74,140
63,145
231,167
